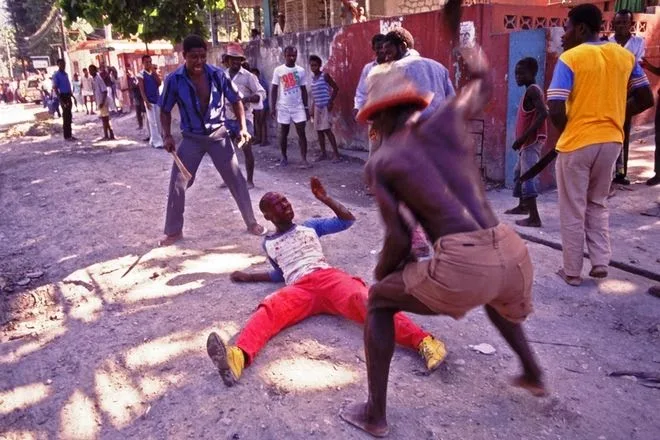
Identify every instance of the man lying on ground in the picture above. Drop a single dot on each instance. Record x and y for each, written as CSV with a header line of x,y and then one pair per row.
x,y
313,287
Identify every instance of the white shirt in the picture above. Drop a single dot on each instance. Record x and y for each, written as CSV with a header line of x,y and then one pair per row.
x,y
278,29
99,88
290,81
297,252
361,90
86,83
248,85
636,46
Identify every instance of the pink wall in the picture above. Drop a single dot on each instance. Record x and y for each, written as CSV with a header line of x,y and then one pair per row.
x,y
346,50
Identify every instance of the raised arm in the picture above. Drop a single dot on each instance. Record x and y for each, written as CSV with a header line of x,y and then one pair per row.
x,y
320,193
474,96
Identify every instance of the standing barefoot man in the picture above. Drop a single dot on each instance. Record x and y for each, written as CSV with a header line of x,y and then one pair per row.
x,y
478,261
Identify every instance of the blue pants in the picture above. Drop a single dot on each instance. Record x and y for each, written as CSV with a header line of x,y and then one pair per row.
x,y
527,157
191,150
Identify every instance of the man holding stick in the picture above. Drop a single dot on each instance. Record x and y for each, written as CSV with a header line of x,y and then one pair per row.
x,y
200,89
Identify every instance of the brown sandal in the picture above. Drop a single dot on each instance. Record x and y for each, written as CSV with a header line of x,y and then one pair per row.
x,y
598,272
571,281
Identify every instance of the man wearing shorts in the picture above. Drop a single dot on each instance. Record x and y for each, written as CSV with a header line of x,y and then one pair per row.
x,y
324,93
86,84
428,166
531,133
101,97
252,92
289,97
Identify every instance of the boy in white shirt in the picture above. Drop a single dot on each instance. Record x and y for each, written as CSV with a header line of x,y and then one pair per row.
x,y
290,104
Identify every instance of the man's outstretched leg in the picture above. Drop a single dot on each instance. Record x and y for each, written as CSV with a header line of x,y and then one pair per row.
x,y
347,297
532,378
385,299
284,308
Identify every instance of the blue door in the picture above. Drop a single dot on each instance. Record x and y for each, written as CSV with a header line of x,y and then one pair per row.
x,y
521,45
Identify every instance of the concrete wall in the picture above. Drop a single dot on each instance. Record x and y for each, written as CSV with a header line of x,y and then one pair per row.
x,y
345,50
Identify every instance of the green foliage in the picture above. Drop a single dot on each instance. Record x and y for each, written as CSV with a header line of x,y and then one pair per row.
x,y
28,15
148,19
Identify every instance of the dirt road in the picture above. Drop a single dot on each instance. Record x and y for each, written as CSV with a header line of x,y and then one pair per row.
x,y
89,350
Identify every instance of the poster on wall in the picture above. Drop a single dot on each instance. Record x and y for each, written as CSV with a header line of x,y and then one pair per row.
x,y
390,24
468,34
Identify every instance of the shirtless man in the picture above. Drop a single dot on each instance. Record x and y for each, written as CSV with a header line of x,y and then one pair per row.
x,y
478,261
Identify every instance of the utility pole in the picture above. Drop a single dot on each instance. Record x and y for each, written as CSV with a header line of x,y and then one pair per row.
x,y
9,69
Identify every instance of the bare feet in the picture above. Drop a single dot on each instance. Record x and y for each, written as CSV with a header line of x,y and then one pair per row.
x,y
257,229
320,157
356,415
529,222
598,272
170,239
305,165
571,281
337,158
284,162
534,386
250,185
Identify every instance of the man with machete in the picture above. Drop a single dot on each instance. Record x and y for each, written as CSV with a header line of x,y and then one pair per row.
x,y
200,91
594,86
428,166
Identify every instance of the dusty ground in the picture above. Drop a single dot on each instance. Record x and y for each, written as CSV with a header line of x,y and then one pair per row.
x,y
90,351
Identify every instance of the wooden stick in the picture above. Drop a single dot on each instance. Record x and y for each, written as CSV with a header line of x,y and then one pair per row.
x,y
559,344
182,168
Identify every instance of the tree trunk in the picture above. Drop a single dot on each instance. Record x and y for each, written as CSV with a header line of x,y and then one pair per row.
x,y
239,19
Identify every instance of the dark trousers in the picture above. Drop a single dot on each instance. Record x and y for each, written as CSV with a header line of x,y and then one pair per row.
x,y
67,118
622,161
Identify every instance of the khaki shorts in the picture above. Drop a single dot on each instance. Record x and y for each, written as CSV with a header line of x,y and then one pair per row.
x,y
321,119
103,110
471,269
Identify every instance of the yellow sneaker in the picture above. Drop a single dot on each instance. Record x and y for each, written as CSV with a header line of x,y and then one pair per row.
x,y
229,360
433,351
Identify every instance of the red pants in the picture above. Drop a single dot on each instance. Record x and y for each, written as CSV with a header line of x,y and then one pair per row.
x,y
329,291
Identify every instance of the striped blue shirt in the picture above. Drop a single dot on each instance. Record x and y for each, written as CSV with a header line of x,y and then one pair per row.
x,y
320,91
180,90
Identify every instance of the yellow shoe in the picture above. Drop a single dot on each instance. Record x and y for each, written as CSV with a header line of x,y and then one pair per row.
x,y
230,361
433,351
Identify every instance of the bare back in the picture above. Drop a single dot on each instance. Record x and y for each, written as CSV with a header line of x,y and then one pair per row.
x,y
430,168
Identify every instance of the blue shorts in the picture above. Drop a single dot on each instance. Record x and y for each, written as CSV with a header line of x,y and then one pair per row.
x,y
527,157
